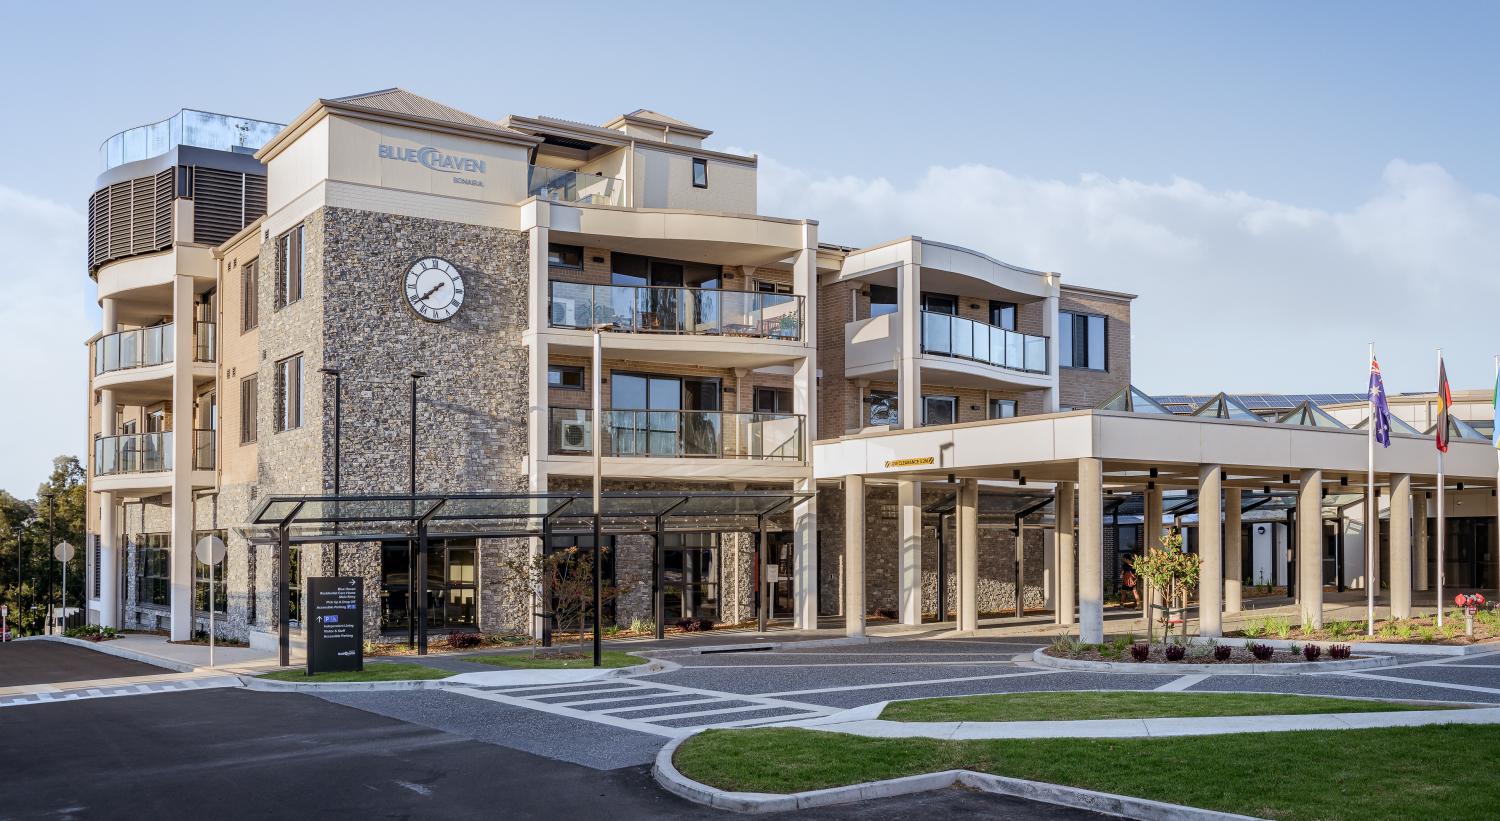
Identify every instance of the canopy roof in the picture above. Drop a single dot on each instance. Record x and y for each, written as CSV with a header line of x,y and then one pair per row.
x,y
1398,425
1459,429
1224,406
1310,415
1134,400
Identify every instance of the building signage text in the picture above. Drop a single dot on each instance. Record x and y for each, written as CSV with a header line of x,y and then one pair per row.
x,y
437,160
916,461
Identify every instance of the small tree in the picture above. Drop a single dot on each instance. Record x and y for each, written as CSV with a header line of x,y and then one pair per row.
x,y
567,578
1170,572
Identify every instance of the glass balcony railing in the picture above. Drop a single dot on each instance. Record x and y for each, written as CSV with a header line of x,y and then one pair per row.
x,y
679,434
187,127
137,348
967,339
205,453
672,310
205,342
133,453
574,186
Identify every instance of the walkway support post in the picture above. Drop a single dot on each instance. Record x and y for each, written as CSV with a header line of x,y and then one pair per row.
x,y
968,556
1400,546
1091,550
1419,506
1234,545
854,555
909,558
1309,547
1067,579
1150,540
1211,551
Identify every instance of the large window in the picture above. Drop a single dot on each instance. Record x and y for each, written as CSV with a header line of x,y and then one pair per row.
x,y
773,400
690,576
201,578
290,256
564,256
249,294
1002,408
939,410
249,399
1081,340
881,408
289,393
1003,314
565,377
940,304
153,569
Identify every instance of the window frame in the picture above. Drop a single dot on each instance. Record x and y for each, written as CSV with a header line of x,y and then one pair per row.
x,y
153,552
291,258
891,307
288,412
561,386
1068,338
249,410
249,295
1001,305
700,164
778,395
928,397
564,265
1000,401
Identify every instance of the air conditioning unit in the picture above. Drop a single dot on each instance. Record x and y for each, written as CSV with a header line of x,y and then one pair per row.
x,y
567,313
574,436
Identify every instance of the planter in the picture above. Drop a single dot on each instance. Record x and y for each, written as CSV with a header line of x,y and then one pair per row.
x,y
1254,668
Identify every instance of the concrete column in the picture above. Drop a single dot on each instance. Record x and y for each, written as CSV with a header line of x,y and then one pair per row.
x,y
1050,397
181,573
805,403
909,316
1211,552
854,555
1091,550
968,555
1067,569
1400,545
1150,540
909,554
1310,547
538,314
1233,549
805,559
109,568
1419,507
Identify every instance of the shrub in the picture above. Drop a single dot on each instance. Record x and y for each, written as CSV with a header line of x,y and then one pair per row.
x,y
1175,652
640,625
1255,628
92,632
1262,652
1140,652
1312,652
1222,652
1339,651
463,641
1340,629
695,625
1067,646
1281,626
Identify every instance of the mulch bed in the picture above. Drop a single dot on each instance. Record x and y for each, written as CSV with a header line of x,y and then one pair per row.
x,y
1197,654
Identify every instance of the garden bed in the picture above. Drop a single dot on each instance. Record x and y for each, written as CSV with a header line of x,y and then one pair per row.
x,y
1422,630
1200,657
1091,705
372,672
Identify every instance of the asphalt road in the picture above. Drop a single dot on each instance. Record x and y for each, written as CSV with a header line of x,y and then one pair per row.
x,y
228,754
51,662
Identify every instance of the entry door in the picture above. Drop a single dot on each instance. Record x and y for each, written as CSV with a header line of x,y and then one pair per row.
x,y
452,569
690,576
779,553
667,416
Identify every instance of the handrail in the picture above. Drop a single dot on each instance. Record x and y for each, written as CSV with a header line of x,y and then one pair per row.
x,y
136,348
133,453
205,342
205,449
962,338
559,185
680,433
672,309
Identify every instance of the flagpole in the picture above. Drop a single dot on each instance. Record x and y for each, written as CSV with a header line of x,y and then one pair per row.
x,y
1372,515
1441,510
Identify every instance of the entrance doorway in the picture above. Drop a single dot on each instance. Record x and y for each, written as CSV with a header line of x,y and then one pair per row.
x,y
690,576
779,553
452,573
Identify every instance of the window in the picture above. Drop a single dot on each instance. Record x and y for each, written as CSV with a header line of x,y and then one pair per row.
x,y
153,569
773,400
565,256
294,587
767,287
700,172
290,256
98,557
939,410
882,300
201,578
565,377
249,294
1003,314
1081,341
156,421
882,408
289,393
940,304
1002,408
249,401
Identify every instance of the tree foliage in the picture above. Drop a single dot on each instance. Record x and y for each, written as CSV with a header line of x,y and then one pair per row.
x,y
1171,573
29,528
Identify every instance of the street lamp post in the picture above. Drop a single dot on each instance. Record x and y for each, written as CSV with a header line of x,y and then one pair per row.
x,y
598,449
338,407
51,520
416,563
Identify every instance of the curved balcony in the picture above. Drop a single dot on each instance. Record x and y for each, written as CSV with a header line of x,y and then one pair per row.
x,y
140,361
133,453
679,434
954,336
657,309
137,348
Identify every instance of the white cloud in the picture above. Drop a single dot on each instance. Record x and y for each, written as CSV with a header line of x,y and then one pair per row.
x,y
1237,292
44,293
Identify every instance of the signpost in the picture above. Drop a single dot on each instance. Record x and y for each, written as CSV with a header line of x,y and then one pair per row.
x,y
336,629
210,551
4,614
63,552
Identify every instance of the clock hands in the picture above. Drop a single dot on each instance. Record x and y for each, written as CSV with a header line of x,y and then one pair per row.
x,y
435,289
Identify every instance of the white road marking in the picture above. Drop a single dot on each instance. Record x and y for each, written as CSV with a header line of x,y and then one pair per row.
x,y
1472,688
850,664
1180,684
893,684
660,705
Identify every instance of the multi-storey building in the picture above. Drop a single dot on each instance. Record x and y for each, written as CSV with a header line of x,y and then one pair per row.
x,y
387,275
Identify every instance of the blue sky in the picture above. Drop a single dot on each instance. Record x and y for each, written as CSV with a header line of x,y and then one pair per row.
x,y
1280,182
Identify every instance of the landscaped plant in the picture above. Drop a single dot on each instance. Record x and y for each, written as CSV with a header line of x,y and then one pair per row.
x,y
1254,628
1140,652
1279,626
695,625
1066,646
92,632
1340,629
1338,651
640,625
463,641
1170,574
1175,652
1312,652
1222,652
1262,652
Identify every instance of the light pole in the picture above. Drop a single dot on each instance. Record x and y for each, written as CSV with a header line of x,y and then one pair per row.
x,y
338,407
51,517
598,449
416,577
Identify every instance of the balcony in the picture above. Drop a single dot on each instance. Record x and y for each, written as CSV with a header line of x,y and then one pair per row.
x,y
145,347
557,185
679,434
133,453
653,309
979,342
205,342
205,452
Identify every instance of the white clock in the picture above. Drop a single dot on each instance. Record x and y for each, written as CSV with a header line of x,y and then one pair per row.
x,y
434,289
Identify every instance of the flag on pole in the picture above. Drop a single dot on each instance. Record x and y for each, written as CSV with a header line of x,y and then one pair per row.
x,y
1380,410
1444,403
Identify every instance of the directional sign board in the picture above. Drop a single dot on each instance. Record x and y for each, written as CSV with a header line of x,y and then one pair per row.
x,y
63,552
336,627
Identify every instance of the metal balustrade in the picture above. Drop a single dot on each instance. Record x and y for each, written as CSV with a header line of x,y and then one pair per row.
x,y
967,339
675,310
558,185
679,434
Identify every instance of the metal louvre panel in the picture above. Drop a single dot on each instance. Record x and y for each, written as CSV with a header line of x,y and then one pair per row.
x,y
130,217
142,214
119,220
224,202
255,198
165,182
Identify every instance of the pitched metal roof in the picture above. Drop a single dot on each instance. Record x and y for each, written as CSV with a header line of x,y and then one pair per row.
x,y
402,102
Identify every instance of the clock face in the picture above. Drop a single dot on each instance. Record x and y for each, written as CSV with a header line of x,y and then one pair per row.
x,y
434,289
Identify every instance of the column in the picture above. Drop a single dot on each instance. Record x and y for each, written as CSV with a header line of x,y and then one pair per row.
x,y
1067,581
181,573
854,555
109,567
968,556
1050,402
1211,551
1400,545
1020,571
908,372
1150,540
1419,506
805,404
1233,549
1310,547
1091,550
909,555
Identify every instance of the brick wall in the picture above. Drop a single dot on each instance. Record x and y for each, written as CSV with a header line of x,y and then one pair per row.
x,y
1082,388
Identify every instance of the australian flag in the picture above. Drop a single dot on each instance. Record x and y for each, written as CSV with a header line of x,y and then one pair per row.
x,y
1380,411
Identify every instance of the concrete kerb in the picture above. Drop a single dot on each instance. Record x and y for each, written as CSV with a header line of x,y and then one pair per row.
x,y
486,678
751,647
121,652
672,780
1039,656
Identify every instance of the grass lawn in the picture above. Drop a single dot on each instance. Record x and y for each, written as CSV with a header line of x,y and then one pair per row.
x,y
1083,705
1322,775
556,661
372,672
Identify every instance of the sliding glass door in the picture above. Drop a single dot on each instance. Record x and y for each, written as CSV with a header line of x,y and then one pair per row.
x,y
664,415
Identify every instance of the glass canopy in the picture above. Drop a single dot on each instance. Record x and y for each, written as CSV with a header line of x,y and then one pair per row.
x,y
1134,400
1224,406
1310,415
1398,425
1459,429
